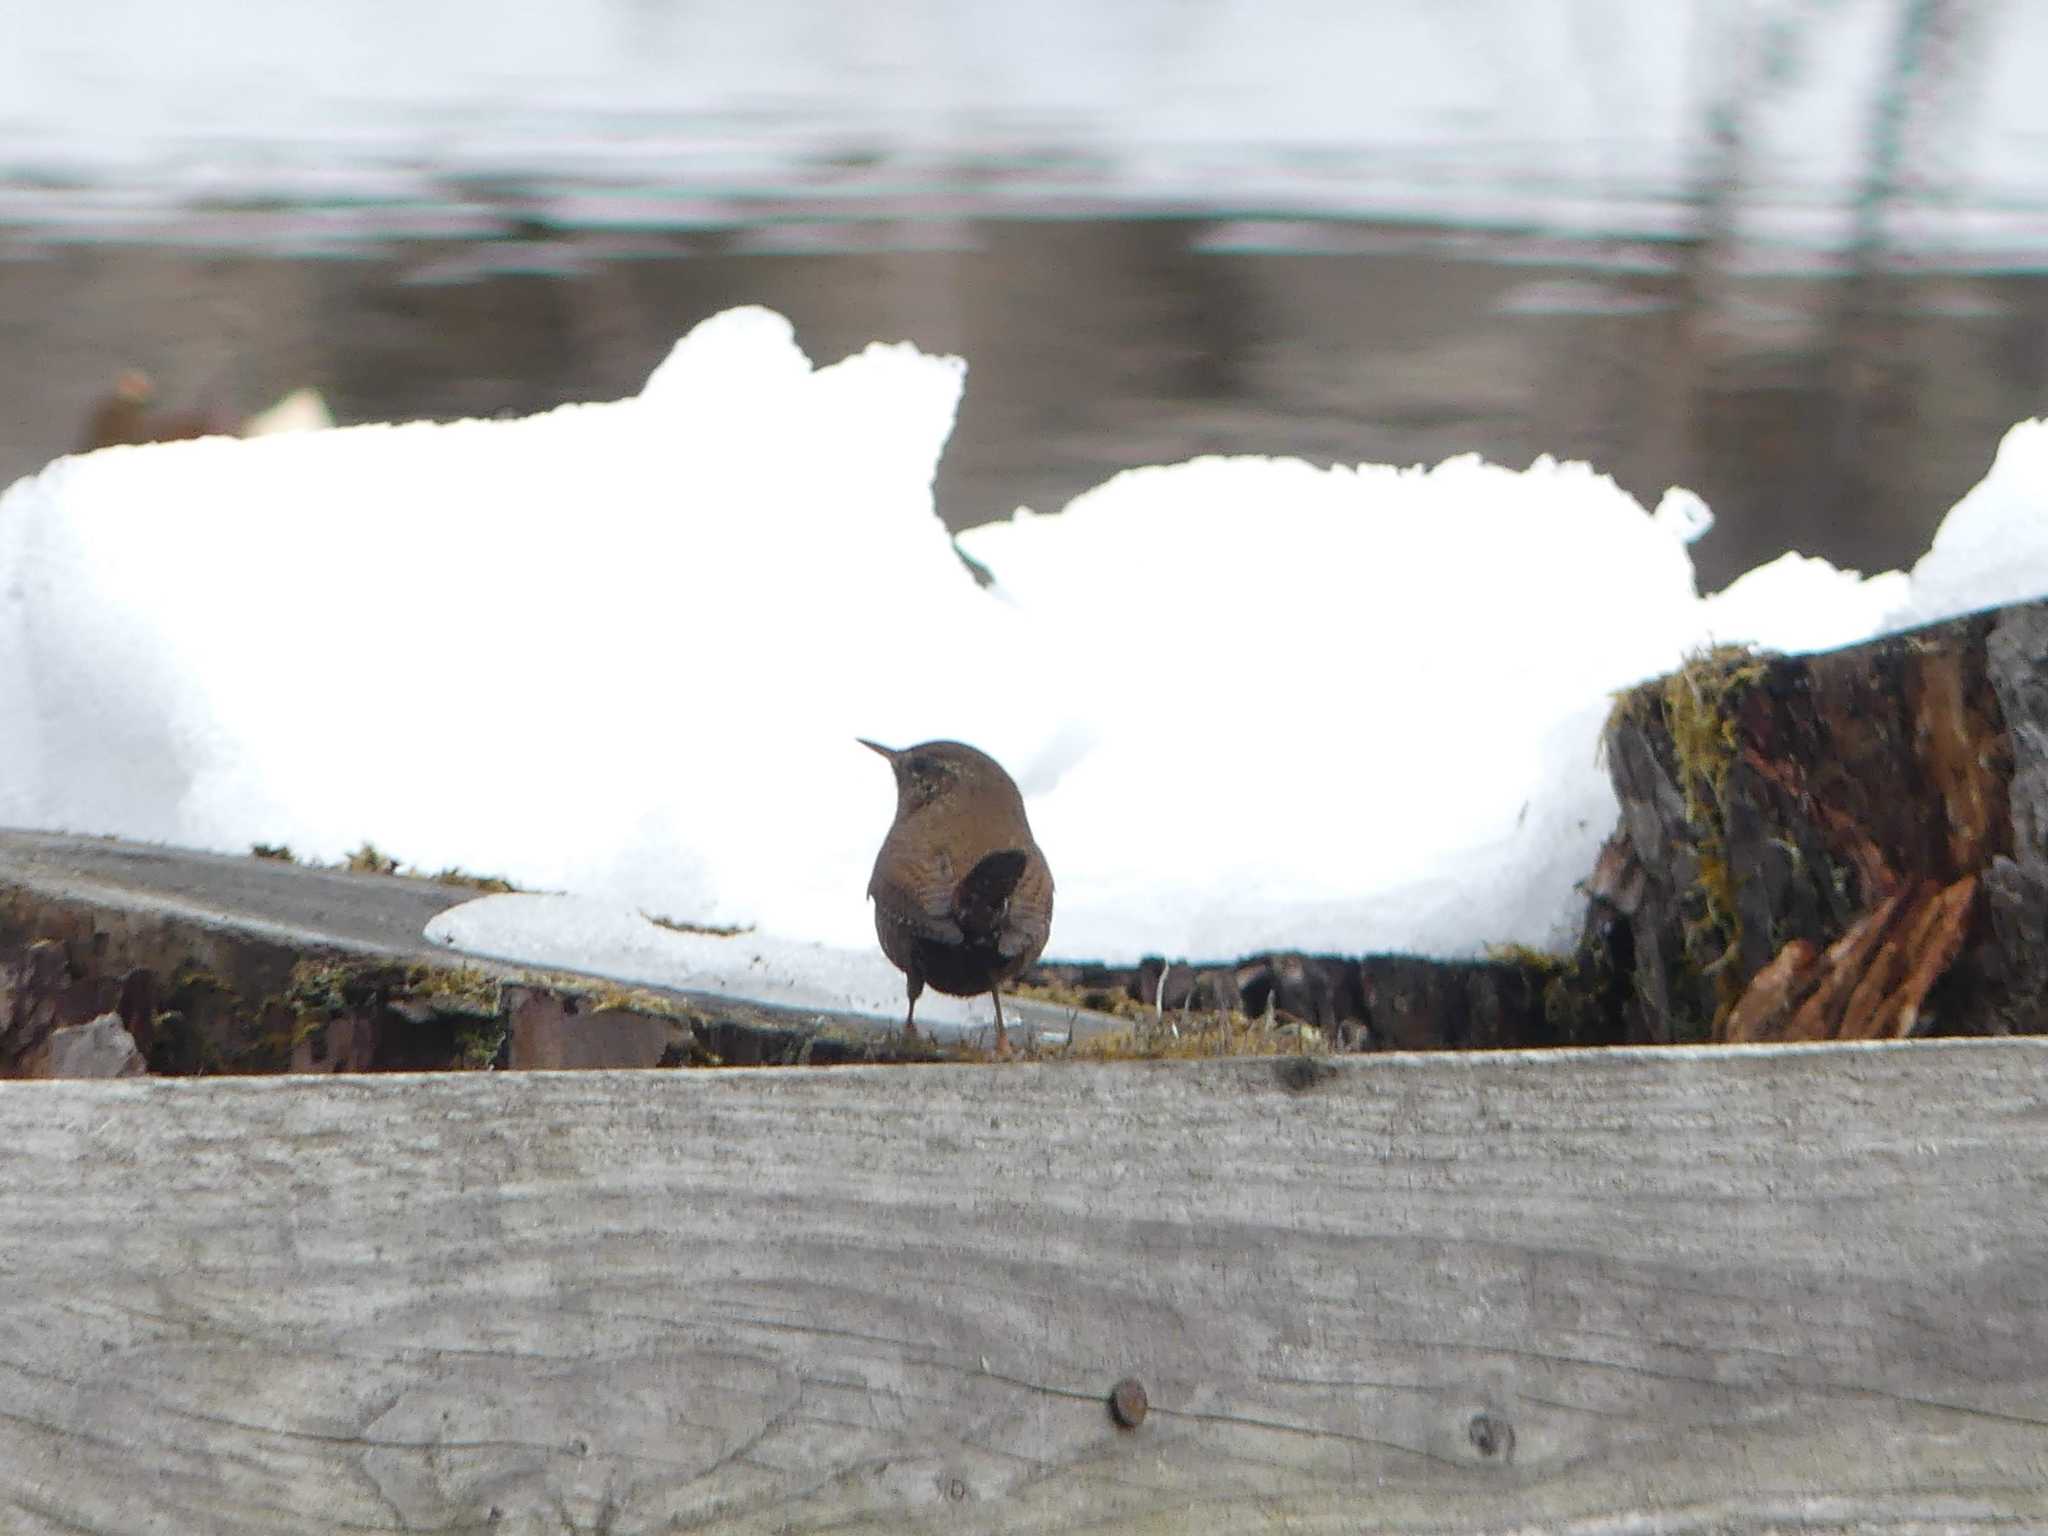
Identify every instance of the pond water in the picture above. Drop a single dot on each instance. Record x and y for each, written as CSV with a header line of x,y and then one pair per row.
x,y
1810,412
1393,230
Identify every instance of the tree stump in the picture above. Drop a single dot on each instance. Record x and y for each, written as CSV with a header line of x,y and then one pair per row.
x,y
1839,846
1844,846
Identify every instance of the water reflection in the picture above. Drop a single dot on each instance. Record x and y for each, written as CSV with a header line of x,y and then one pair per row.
x,y
1691,243
1837,418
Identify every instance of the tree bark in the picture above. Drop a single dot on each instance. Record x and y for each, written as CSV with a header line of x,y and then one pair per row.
x,y
1839,846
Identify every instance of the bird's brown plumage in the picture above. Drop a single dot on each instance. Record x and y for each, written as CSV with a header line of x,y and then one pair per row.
x,y
963,896
127,415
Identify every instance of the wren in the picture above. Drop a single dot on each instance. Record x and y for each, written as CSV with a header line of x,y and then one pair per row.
x,y
963,897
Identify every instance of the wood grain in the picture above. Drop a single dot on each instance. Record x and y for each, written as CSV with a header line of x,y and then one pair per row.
x,y
1729,1290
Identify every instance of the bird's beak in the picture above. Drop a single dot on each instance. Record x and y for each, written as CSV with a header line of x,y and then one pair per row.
x,y
890,753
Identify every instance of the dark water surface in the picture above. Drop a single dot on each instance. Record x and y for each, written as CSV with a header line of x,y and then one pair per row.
x,y
1812,413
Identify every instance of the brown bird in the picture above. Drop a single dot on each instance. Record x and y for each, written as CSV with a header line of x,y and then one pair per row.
x,y
127,415
963,897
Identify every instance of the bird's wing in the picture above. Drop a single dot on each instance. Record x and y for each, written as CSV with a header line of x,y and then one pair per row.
x,y
1030,913
981,902
922,907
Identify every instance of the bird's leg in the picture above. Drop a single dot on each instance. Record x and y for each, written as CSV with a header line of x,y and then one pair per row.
x,y
1002,1039
916,984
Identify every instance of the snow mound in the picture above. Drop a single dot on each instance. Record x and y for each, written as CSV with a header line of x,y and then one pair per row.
x,y
623,650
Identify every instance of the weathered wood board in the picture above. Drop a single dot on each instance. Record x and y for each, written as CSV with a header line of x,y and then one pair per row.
x,y
1629,1290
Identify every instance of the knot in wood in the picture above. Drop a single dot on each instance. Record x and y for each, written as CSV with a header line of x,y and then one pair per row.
x,y
1299,1074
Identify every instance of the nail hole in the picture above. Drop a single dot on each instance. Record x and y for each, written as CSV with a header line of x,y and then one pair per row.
x,y
1491,1437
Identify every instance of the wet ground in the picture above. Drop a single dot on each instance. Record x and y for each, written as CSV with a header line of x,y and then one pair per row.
x,y
1838,419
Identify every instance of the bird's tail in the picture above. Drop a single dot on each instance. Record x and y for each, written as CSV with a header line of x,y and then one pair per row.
x,y
982,896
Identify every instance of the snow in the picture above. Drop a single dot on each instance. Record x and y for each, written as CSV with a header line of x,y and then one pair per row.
x,y
1993,545
603,938
623,651
1797,603
1312,690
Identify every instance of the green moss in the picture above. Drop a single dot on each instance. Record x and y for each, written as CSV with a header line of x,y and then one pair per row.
x,y
1700,712
1095,999
459,1004
492,885
1576,990
715,930
1540,961
1175,1034
1699,708
370,860
608,996
347,985
205,1026
330,986
1192,1035
478,1046
1582,1002
460,988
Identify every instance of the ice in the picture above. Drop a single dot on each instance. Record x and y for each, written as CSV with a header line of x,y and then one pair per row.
x,y
605,939
622,651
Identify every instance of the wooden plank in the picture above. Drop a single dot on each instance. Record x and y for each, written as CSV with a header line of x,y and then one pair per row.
x,y
242,929
1735,1290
